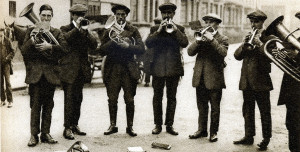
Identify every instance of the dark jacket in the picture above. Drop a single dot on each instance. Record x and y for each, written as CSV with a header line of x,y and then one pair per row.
x,y
77,58
210,62
167,51
7,51
37,64
290,88
256,67
117,55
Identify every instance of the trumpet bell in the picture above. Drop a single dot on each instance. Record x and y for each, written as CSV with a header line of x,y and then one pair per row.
x,y
169,28
198,36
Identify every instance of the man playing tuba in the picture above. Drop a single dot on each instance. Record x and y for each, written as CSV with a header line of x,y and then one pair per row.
x,y
208,76
121,70
42,73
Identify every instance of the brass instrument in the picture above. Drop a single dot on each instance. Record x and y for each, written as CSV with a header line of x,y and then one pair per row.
x,y
169,26
249,45
116,31
40,34
277,49
199,34
84,23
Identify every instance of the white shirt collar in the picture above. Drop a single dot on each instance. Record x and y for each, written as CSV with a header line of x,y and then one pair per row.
x,y
74,23
122,26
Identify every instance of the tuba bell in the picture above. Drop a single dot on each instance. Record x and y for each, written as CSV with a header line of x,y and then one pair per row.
x,y
42,34
278,49
116,31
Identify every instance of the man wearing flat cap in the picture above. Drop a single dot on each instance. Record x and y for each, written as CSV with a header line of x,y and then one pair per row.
x,y
255,81
75,69
166,40
208,76
121,70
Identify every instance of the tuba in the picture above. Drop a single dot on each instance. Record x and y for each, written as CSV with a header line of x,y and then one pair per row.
x,y
277,49
116,31
199,34
41,34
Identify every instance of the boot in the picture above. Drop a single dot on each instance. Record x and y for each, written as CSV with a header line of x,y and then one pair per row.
x,y
263,145
113,109
130,116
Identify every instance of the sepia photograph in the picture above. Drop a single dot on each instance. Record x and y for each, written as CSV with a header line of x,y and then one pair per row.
x,y
150,75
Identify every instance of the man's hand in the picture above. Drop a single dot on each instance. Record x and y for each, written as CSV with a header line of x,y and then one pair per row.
x,y
123,44
257,42
43,46
162,24
79,19
208,35
174,26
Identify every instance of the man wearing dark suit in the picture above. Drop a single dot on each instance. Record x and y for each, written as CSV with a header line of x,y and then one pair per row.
x,y
255,82
42,75
75,69
121,70
208,75
7,54
167,65
290,96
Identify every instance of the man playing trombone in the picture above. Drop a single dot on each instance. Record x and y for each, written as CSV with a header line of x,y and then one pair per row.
x,y
120,43
255,81
75,68
211,48
166,40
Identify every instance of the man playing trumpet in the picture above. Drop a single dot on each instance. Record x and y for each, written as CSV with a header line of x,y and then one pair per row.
x,y
208,78
76,70
166,40
255,81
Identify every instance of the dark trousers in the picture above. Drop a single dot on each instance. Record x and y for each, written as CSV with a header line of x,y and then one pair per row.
x,y
72,102
41,101
147,78
292,124
203,97
263,101
158,84
6,92
120,78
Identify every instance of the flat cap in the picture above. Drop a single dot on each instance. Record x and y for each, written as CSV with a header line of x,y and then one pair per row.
x,y
258,15
212,16
78,8
167,5
120,7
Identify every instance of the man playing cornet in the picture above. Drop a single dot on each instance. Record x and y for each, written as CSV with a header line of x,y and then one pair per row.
x,y
255,81
42,74
75,68
211,49
120,43
166,40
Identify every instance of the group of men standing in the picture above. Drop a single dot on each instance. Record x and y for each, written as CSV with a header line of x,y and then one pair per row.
x,y
66,63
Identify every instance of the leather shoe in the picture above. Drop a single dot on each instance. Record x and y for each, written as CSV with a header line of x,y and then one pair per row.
x,y
34,139
157,129
263,145
2,103
112,129
9,105
198,134
76,130
213,137
244,141
46,138
130,131
68,134
171,130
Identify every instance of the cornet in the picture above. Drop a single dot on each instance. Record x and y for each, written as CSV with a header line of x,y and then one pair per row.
x,y
199,34
169,26
249,45
84,23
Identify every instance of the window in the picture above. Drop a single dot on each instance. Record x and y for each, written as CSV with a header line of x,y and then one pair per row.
x,y
151,11
192,10
204,8
216,9
145,10
197,10
156,8
134,10
12,8
183,13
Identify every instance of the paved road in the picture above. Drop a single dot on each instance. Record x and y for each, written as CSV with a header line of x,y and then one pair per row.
x,y
15,129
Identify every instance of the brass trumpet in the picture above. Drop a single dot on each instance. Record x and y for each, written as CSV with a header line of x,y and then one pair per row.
x,y
249,45
199,34
169,26
84,23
